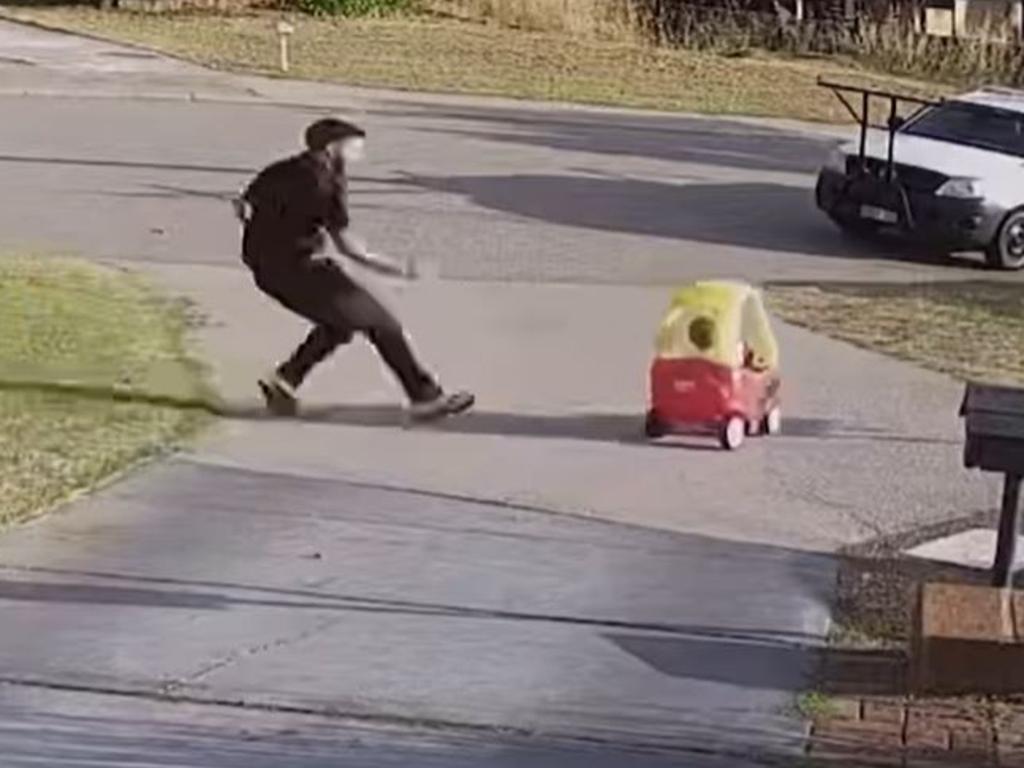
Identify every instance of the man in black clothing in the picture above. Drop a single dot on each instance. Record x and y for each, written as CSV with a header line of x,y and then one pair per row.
x,y
287,210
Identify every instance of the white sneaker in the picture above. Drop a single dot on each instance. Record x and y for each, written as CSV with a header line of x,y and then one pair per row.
x,y
279,395
442,405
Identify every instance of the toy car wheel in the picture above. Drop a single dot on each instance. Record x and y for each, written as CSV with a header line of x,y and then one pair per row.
x,y
771,424
654,427
732,433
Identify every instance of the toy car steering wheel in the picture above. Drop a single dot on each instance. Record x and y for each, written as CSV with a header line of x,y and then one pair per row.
x,y
750,360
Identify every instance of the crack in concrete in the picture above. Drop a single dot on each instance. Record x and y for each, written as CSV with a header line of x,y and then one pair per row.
x,y
249,652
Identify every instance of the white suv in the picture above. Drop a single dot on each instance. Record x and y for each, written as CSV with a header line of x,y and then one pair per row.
x,y
955,181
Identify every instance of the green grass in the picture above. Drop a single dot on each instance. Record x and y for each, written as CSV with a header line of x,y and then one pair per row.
x,y
432,53
93,377
969,330
814,705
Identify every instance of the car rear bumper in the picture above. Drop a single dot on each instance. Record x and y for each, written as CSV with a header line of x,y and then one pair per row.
x,y
951,223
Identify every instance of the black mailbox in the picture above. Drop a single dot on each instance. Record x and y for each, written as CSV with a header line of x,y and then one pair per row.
x,y
995,428
994,442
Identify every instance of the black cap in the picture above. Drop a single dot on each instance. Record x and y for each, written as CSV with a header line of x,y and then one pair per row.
x,y
328,130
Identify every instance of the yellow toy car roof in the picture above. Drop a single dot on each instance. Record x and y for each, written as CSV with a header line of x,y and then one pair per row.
x,y
713,320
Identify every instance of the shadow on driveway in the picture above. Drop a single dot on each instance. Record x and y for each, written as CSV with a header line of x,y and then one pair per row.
x,y
755,662
680,139
759,216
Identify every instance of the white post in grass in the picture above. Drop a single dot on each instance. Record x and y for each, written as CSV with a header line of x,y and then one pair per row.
x,y
284,31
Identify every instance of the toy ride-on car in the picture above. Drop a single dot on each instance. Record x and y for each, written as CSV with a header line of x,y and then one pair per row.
x,y
716,367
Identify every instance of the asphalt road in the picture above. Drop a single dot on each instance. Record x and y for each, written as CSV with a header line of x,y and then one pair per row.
x,y
491,195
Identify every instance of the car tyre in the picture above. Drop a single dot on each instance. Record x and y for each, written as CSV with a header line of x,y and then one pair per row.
x,y
1006,251
732,432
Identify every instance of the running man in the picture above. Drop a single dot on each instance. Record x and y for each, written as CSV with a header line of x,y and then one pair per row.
x,y
289,211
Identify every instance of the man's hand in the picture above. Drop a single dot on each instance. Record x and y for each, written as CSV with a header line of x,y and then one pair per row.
x,y
405,269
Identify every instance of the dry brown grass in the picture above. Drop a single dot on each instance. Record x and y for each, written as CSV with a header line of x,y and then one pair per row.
x,y
973,331
984,52
970,330
448,55
591,19
986,56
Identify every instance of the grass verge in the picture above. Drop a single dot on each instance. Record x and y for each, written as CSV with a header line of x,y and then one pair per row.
x,y
432,53
93,377
969,330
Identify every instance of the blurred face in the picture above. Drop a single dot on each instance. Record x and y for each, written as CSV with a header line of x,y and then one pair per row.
x,y
350,150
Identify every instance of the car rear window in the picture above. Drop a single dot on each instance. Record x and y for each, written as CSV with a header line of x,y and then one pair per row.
x,y
974,125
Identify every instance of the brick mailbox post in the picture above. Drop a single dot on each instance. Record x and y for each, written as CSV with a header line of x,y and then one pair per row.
x,y
969,639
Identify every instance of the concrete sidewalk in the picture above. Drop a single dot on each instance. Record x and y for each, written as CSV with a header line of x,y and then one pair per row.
x,y
45,63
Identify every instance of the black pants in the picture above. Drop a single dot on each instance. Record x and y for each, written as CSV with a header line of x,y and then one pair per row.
x,y
319,290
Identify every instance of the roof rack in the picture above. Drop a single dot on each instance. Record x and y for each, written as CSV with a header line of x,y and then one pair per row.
x,y
863,117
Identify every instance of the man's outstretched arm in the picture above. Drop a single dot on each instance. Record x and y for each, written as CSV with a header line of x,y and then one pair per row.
x,y
351,246
338,227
